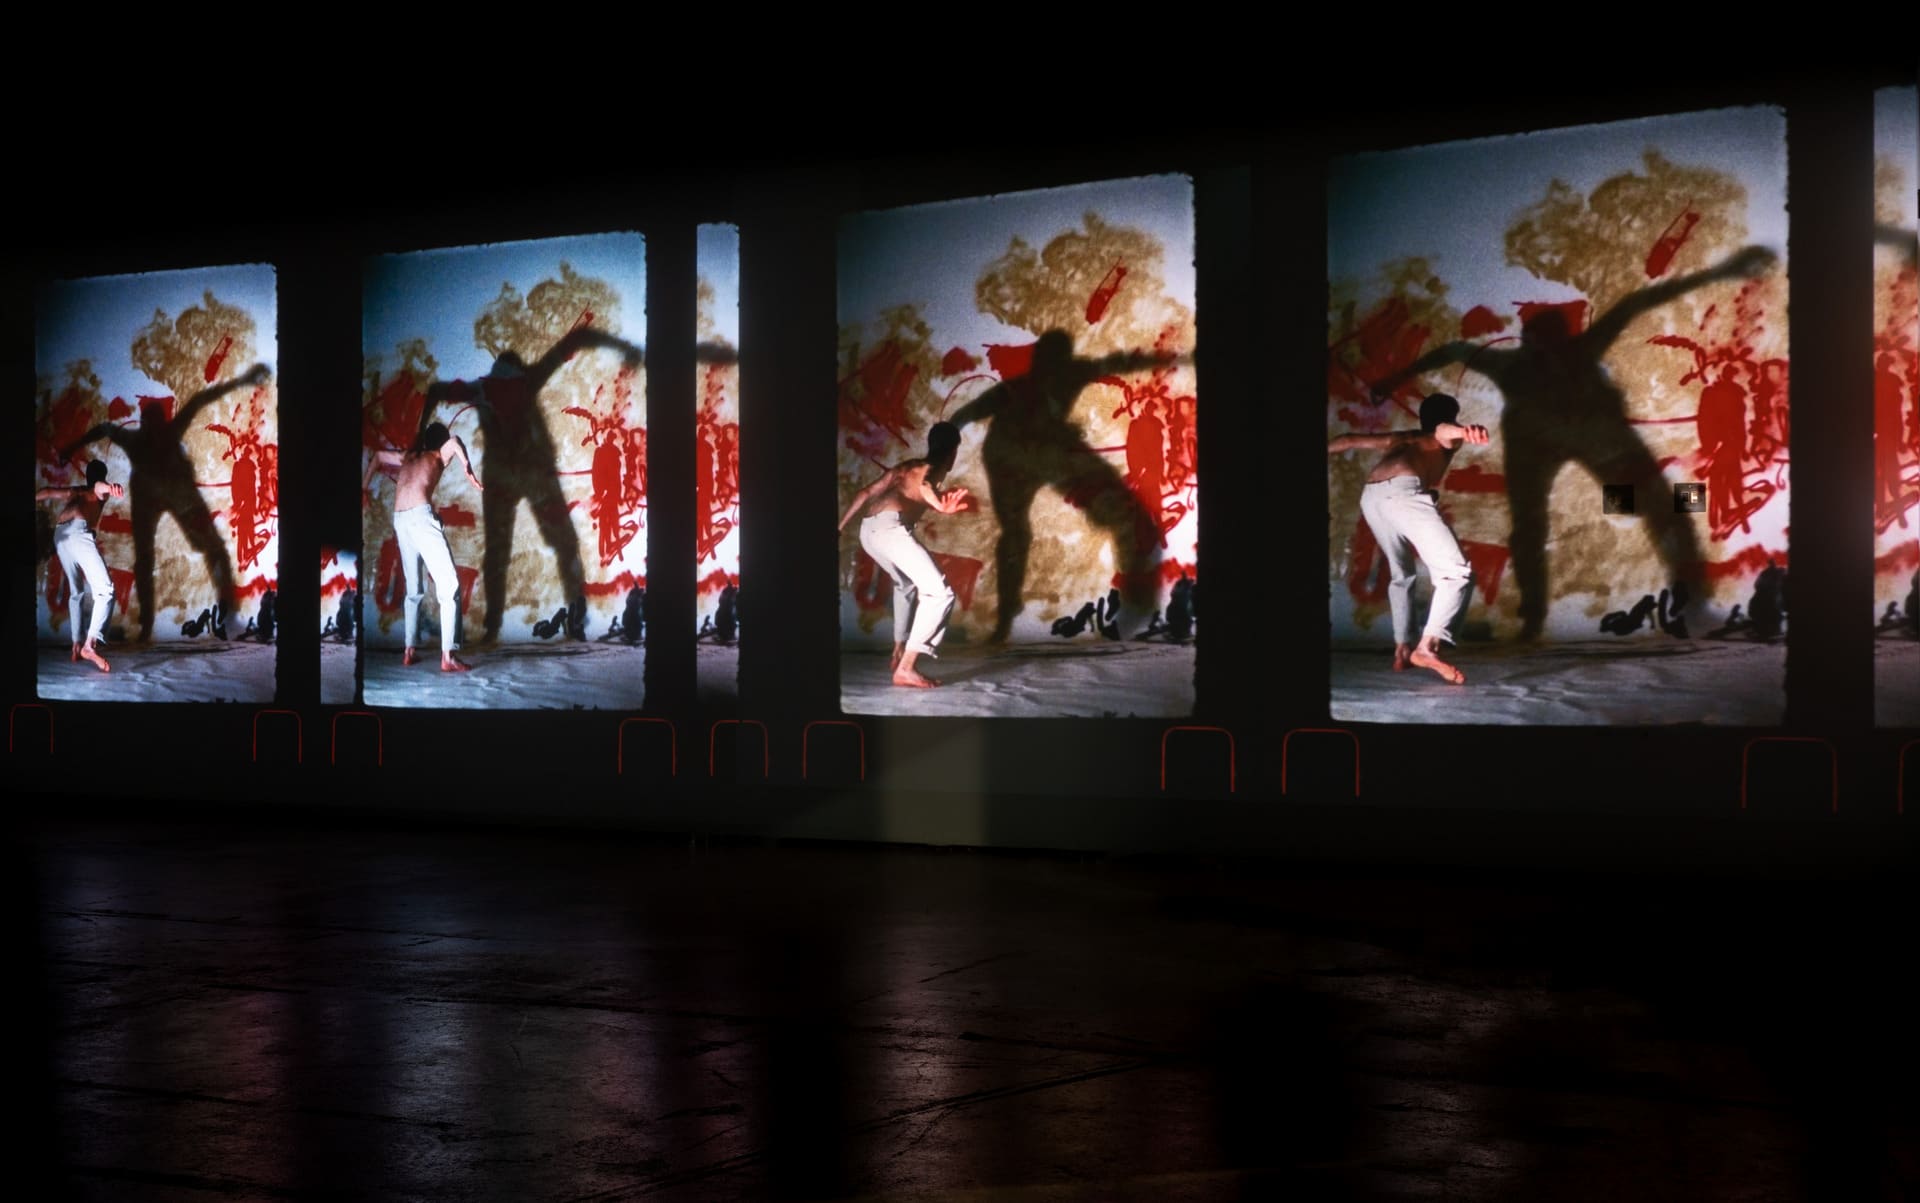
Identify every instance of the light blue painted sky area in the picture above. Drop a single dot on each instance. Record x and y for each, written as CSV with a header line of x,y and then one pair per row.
x,y
437,294
98,318
932,254
1896,135
717,256
1453,202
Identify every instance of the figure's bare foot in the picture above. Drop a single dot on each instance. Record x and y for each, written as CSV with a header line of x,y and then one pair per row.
x,y
1402,656
899,649
94,658
1448,673
449,663
912,680
409,658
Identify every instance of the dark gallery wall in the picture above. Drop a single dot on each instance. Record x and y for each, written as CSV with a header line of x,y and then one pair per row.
x,y
1260,186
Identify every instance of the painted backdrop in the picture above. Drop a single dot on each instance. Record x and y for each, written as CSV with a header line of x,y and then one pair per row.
x,y
529,353
168,378
1610,302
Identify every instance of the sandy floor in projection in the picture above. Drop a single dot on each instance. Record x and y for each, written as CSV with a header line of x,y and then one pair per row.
x,y
718,666
521,676
1084,679
1896,682
162,672
336,673
1648,682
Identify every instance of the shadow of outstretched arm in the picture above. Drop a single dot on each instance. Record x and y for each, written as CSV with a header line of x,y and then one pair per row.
x,y
982,407
1439,357
1749,264
459,392
253,377
579,340
1899,238
117,435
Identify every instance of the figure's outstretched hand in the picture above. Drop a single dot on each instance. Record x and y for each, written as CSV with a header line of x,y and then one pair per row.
x,y
258,375
954,500
475,481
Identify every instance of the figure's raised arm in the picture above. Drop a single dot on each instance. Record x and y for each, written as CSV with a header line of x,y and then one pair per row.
x,y
454,449
1385,441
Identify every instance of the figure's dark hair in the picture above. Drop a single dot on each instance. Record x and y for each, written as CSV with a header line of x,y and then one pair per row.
x,y
432,438
1438,408
96,472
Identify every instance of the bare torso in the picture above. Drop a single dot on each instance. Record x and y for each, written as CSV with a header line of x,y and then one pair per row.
x,y
1424,457
85,504
414,482
900,492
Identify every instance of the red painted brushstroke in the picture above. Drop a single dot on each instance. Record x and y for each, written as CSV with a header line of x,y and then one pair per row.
x,y
115,524
118,408
1475,479
255,483
1741,418
456,515
1896,405
1386,342
1489,563
1745,563
1367,575
1479,321
962,573
711,584
1009,361
1572,313
618,473
399,402
1103,295
1660,257
957,362
873,399
618,586
1902,560
122,579
211,371
716,471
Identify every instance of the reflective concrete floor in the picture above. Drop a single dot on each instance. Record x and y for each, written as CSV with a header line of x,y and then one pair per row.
x,y
236,1011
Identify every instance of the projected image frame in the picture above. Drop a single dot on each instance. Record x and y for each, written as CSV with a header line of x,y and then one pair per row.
x,y
512,376
717,464
162,566
1044,340
1896,408
1607,306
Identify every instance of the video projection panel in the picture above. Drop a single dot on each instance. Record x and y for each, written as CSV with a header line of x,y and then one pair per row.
x,y
504,474
1017,466
1896,408
339,624
157,457
716,471
1557,408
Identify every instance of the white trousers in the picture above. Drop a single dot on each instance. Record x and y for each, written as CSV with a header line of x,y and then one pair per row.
x,y
1405,518
80,556
421,539
921,598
